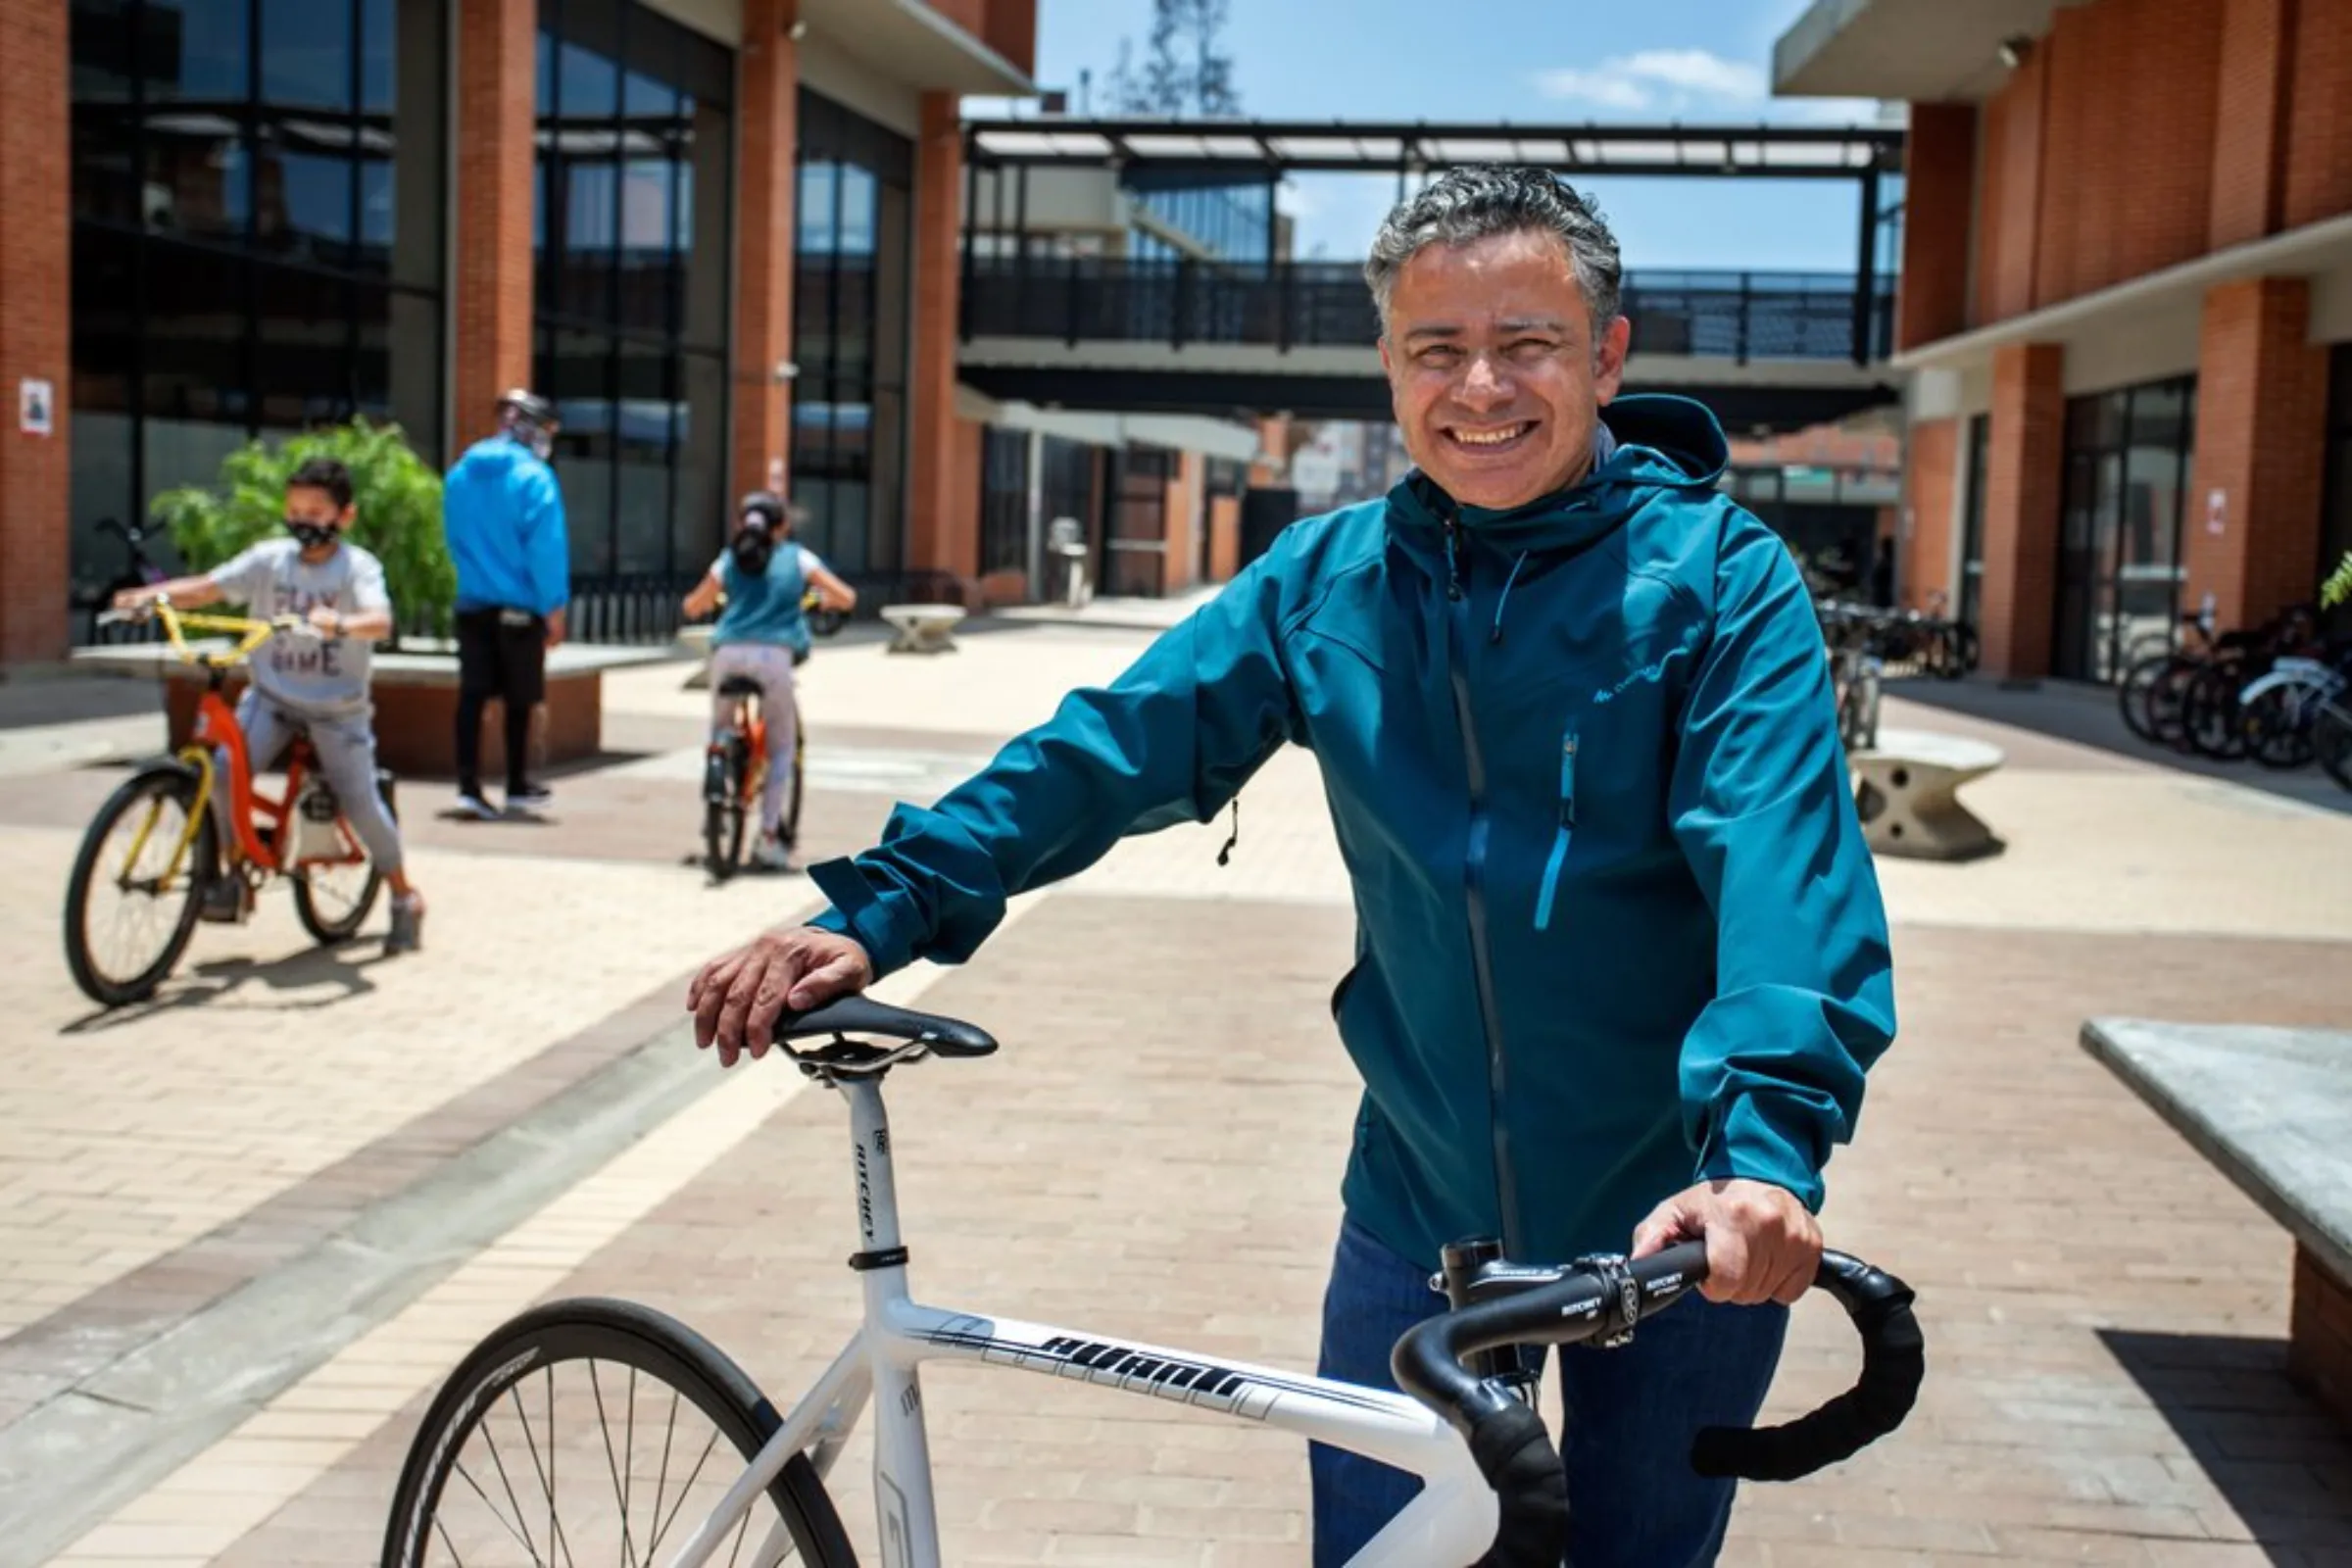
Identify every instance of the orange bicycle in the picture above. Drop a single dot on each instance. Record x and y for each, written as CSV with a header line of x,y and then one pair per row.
x,y
131,910
734,773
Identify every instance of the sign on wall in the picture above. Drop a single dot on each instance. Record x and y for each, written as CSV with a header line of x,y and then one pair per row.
x,y
36,407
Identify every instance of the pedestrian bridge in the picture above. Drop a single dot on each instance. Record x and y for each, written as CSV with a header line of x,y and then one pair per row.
x,y
1197,335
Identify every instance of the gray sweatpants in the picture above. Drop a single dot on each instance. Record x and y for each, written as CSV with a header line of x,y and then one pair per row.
x,y
346,748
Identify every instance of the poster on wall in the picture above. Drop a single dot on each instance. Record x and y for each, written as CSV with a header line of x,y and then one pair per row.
x,y
37,403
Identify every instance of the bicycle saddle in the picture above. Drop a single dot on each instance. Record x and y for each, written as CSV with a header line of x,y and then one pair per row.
x,y
862,1015
741,686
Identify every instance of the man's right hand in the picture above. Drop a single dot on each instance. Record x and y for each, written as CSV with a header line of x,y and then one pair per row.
x,y
737,998
555,627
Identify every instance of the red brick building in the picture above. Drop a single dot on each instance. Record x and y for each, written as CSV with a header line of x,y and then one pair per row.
x,y
2124,309
720,234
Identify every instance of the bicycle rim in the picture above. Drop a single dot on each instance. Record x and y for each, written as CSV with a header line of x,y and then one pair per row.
x,y
2331,743
597,1431
126,921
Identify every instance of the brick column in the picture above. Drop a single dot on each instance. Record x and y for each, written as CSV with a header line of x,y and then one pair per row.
x,y
1925,563
2262,411
769,117
2024,470
943,511
1939,180
2318,181
36,265
2249,143
496,165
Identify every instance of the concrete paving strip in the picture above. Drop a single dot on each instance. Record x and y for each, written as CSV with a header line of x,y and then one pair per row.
x,y
70,1462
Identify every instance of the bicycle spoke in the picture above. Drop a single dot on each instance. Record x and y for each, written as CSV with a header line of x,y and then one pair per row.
x,y
455,1560
661,1476
680,1506
523,1533
603,1426
742,1529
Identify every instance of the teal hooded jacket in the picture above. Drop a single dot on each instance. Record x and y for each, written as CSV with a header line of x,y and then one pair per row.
x,y
1617,928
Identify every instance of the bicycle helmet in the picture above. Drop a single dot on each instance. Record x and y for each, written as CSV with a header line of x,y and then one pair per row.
x,y
530,418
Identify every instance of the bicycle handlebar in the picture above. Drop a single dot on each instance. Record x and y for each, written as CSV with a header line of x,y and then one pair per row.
x,y
1603,1298
250,633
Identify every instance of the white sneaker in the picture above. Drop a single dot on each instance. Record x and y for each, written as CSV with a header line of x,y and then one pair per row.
x,y
771,855
472,805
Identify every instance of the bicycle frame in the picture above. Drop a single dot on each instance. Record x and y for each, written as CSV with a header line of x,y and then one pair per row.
x,y
217,729
1452,1519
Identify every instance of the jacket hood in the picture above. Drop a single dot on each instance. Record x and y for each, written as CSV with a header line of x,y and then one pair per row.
x,y
1663,443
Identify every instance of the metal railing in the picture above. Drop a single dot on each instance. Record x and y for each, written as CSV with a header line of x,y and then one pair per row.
x,y
1719,314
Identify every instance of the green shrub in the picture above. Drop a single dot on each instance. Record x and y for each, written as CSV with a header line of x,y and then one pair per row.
x,y
398,520
2338,586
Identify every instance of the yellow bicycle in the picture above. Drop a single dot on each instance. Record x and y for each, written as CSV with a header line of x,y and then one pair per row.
x,y
153,887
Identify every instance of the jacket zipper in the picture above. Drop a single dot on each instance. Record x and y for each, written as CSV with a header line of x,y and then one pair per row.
x,y
1475,892
1561,834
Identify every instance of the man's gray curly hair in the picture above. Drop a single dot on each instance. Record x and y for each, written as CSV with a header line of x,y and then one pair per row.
x,y
1463,205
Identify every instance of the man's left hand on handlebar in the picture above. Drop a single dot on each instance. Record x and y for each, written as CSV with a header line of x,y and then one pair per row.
x,y
737,998
1762,1244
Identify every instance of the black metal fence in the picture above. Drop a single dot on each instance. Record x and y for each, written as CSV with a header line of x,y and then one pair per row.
x,y
1726,315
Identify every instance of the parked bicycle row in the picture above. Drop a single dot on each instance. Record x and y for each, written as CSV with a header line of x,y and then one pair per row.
x,y
2277,693
1869,643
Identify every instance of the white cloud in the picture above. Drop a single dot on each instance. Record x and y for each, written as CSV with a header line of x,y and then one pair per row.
x,y
1683,81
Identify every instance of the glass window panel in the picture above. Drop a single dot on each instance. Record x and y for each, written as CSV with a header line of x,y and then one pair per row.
x,y
380,56
648,271
302,367
197,50
588,194
106,183
701,502
378,216
305,206
855,215
815,206
644,443
576,373
193,341
887,462
588,86
891,304
643,97
199,174
305,54
546,76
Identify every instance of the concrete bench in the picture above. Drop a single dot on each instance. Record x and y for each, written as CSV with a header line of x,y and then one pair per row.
x,y
922,628
417,701
2273,1110
1906,791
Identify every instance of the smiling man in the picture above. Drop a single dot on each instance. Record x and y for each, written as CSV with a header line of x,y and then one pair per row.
x,y
1621,962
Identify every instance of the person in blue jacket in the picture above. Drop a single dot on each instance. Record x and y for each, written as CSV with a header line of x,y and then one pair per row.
x,y
502,512
1622,961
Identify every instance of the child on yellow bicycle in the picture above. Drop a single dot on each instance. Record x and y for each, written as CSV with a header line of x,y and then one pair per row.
x,y
764,633
317,685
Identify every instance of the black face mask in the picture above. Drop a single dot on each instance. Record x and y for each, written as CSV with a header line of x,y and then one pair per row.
x,y
314,535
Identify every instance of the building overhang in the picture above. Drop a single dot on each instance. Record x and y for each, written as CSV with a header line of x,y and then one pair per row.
x,y
906,41
2315,248
1921,51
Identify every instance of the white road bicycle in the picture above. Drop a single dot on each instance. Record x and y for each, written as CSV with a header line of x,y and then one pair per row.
x,y
625,1412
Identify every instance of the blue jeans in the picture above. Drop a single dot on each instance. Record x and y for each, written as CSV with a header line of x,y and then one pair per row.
x,y
1634,1501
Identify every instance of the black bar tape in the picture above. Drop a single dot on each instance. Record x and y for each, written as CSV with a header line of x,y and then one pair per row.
x,y
1893,1364
1515,1454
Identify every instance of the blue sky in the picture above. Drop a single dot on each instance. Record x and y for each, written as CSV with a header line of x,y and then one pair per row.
x,y
1531,62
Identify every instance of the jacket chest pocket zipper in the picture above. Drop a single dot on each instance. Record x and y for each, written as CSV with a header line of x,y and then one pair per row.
x,y
1561,834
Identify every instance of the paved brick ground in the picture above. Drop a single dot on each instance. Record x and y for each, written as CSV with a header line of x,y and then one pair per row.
x,y
2105,1314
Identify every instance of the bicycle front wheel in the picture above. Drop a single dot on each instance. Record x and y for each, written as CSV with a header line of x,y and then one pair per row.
x,y
599,1431
132,900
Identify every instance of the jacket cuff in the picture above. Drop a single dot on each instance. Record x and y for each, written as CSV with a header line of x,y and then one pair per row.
x,y
860,915
1764,1137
